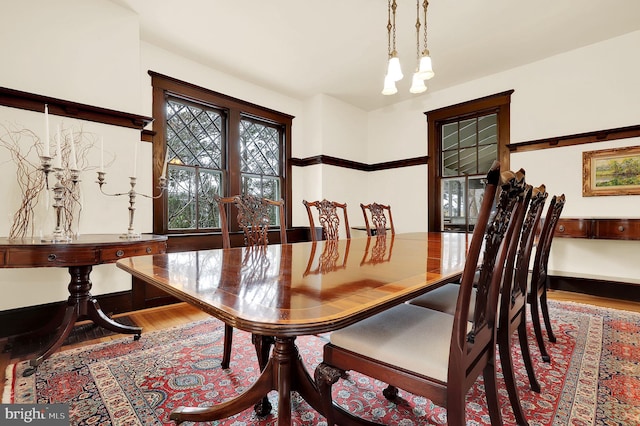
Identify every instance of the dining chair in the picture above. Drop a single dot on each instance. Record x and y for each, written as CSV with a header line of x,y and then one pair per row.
x,y
431,353
512,314
539,282
513,295
254,219
378,218
328,218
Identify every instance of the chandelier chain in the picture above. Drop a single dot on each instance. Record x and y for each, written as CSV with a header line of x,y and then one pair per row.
x,y
425,4
418,30
389,29
393,7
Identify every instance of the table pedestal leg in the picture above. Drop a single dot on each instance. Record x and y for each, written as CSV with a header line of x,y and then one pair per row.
x,y
285,372
80,304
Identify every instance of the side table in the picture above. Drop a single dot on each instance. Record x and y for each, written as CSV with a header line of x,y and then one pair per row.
x,y
79,256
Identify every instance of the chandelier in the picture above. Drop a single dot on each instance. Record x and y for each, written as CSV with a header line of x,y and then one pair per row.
x,y
424,68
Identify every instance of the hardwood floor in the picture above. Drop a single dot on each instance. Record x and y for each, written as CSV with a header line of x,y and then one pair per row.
x,y
164,317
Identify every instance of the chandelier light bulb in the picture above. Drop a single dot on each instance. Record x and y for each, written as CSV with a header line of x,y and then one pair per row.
x,y
426,69
394,70
417,84
389,86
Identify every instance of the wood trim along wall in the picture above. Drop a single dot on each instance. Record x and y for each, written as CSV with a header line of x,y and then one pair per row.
x,y
348,164
577,139
33,102
601,288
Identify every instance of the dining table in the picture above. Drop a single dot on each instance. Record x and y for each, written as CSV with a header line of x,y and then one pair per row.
x,y
283,291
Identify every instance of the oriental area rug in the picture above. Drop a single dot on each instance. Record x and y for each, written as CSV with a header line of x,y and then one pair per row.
x,y
593,378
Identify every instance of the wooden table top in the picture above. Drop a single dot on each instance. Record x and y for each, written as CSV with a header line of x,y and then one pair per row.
x,y
305,288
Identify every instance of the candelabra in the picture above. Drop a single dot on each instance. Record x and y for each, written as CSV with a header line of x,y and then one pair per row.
x,y
59,234
131,233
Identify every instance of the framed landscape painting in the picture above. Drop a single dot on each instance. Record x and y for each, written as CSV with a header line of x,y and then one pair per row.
x,y
611,172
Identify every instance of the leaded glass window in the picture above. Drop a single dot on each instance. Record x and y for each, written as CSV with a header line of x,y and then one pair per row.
x,y
260,161
195,135
203,161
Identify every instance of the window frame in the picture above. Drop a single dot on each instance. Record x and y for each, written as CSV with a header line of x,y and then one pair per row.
x,y
235,109
498,103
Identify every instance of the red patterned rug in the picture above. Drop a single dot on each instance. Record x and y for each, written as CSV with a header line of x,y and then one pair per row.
x,y
593,379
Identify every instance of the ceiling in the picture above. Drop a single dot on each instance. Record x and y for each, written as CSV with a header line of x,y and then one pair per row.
x,y
339,47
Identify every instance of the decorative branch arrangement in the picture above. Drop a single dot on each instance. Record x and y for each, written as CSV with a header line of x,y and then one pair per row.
x,y
65,166
31,180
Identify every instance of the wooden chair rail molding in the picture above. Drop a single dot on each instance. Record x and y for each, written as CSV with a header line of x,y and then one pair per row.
x,y
577,139
599,228
33,102
349,164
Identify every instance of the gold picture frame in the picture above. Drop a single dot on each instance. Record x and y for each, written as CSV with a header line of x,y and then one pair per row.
x,y
613,171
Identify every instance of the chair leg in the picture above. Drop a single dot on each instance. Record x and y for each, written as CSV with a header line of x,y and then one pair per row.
x,y
325,376
491,393
545,315
537,327
391,393
526,355
456,410
504,346
228,340
263,346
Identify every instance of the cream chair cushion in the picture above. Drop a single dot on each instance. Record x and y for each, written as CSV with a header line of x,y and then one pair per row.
x,y
406,336
444,299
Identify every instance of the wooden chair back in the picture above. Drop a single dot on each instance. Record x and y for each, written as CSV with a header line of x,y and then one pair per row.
x,y
537,296
520,273
468,348
254,217
378,218
541,259
328,218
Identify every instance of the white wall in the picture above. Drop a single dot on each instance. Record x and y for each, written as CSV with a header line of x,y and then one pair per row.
x,y
587,89
337,130
82,51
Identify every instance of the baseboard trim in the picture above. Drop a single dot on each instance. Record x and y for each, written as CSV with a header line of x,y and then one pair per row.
x,y
593,287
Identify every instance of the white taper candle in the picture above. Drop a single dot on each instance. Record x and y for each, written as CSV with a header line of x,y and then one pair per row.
x,y
46,135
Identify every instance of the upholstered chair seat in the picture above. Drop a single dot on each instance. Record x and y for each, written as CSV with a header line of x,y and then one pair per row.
x,y
381,336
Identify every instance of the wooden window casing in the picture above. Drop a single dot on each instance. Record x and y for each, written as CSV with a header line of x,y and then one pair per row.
x,y
235,110
499,104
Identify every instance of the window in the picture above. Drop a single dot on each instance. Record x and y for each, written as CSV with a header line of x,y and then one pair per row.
x,y
214,144
463,142
194,141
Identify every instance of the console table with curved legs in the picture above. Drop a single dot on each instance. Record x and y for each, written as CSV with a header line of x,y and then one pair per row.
x,y
79,256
